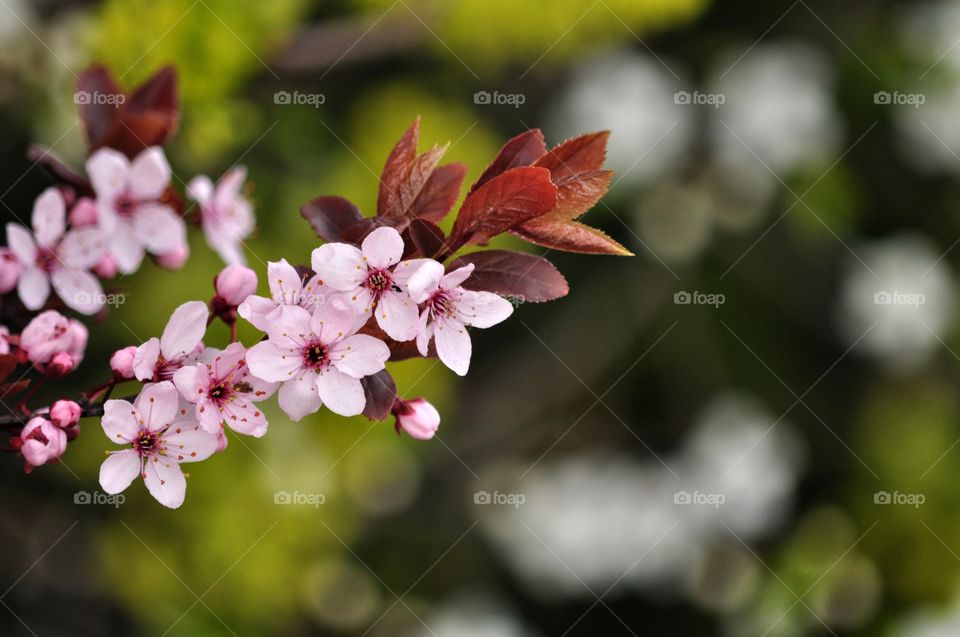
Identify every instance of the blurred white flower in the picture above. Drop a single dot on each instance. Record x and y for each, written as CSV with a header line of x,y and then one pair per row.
x,y
930,623
599,520
633,96
908,298
472,616
778,111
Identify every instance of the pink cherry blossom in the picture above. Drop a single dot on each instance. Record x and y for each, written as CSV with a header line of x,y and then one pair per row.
x,y
234,284
121,362
224,392
51,333
449,309
129,206
174,259
41,442
10,270
83,213
226,216
368,279
4,340
53,255
159,359
160,436
417,417
286,288
319,359
65,413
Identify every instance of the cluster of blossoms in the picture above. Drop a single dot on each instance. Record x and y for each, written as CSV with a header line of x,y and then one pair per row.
x,y
377,290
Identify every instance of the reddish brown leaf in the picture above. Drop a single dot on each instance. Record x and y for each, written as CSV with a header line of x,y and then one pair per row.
x,y
424,238
331,217
522,150
381,392
570,236
439,193
8,363
574,157
507,200
397,169
10,389
147,116
518,276
576,168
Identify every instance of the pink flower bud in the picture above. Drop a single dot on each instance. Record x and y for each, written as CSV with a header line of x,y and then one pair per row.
x,y
235,283
10,269
106,268
122,362
41,442
65,413
60,365
418,418
84,213
174,259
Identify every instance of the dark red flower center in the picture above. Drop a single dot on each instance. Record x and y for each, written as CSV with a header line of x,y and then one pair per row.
x,y
315,355
125,205
147,443
46,259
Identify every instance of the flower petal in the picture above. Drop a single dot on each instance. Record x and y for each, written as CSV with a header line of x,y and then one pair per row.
x,y
398,316
188,442
158,404
298,397
256,309
424,333
273,364
244,417
284,282
341,394
21,242
82,248
192,382
382,248
120,421
119,470
339,265
360,355
184,330
424,281
165,481
125,247
335,320
33,288
230,358
145,359
200,189
159,229
49,217
482,309
79,290
108,170
150,174
453,345
453,279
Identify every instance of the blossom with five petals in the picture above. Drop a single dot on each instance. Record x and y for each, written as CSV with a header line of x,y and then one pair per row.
x,y
130,207
449,309
160,436
224,392
51,254
373,279
226,216
320,359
